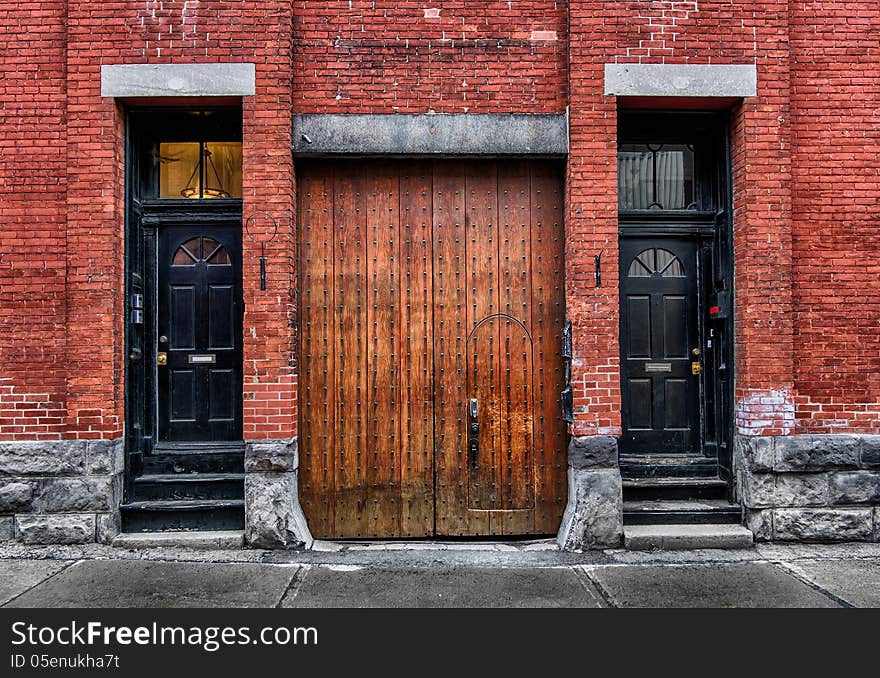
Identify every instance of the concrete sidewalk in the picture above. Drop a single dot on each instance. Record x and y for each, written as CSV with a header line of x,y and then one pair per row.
x,y
440,575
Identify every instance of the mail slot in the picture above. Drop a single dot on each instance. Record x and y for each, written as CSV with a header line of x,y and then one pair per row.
x,y
658,367
202,359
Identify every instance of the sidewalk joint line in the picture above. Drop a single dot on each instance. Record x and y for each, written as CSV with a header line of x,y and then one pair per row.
x,y
294,585
792,571
597,585
43,581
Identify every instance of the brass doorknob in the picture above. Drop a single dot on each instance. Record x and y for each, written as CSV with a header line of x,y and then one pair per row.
x,y
161,358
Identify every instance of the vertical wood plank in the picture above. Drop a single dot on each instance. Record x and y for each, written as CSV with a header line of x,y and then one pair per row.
x,y
548,317
316,356
350,318
515,468
416,355
383,320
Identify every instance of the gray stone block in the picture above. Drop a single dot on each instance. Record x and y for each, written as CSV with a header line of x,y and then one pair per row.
x,y
877,524
808,524
756,452
107,526
42,458
56,529
178,80
761,524
7,528
437,135
870,451
593,516
104,457
681,80
271,456
273,515
817,452
15,495
592,451
801,489
855,487
758,490
88,493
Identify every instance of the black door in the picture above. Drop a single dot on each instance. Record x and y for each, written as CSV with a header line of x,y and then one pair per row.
x,y
659,338
199,334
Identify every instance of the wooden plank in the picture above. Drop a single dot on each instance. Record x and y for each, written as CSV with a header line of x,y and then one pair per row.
x,y
316,358
515,463
483,350
350,316
548,317
417,348
452,517
383,380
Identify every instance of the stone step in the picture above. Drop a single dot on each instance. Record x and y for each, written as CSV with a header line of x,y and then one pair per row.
x,y
183,486
193,460
680,537
667,465
637,489
189,515
681,512
219,539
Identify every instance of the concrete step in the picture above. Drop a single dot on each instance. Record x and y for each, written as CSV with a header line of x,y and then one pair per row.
x,y
638,489
668,465
184,486
225,539
680,512
680,537
177,516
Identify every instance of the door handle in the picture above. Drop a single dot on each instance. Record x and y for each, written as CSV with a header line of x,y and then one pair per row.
x,y
162,358
474,431
696,368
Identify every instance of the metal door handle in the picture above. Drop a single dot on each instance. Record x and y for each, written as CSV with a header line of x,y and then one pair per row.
x,y
161,358
696,368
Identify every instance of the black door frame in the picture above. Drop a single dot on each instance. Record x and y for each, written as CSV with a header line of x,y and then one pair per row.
x,y
710,225
145,215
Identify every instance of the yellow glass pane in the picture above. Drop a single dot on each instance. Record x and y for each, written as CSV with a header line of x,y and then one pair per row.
x,y
178,170
222,169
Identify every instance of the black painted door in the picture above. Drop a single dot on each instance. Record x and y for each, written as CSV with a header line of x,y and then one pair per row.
x,y
659,338
199,334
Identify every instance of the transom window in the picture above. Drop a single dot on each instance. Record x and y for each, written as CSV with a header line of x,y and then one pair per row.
x,y
656,176
656,261
202,249
200,170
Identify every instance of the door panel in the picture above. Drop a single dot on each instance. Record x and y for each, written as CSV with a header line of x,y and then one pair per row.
x,y
199,330
659,330
425,285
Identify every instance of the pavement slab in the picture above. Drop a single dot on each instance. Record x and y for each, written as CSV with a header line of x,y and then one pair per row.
x,y
143,584
716,585
356,587
855,581
17,576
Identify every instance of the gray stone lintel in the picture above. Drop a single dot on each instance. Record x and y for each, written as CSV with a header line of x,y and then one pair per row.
x,y
681,80
431,135
178,80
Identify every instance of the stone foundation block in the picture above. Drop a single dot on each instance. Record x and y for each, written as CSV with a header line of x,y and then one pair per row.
x,y
756,453
761,524
273,515
877,524
593,517
7,528
15,496
816,452
271,456
64,495
797,524
105,457
592,452
758,489
42,458
855,487
107,526
56,529
870,451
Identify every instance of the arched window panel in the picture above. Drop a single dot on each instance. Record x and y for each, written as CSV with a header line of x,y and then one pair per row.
x,y
202,249
656,176
656,261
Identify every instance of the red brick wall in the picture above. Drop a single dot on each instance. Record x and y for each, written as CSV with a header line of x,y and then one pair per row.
x,y
836,203
805,180
32,220
417,56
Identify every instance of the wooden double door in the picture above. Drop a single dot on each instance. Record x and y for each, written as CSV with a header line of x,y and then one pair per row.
x,y
431,307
